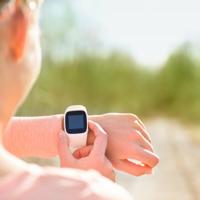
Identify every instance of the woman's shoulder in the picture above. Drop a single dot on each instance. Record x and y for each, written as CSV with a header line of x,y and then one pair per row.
x,y
55,183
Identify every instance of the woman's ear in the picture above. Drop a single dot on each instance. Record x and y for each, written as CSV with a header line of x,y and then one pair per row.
x,y
18,33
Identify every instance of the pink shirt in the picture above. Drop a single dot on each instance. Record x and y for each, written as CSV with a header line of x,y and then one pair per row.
x,y
59,184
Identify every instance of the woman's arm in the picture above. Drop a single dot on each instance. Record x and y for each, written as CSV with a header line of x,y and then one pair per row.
x,y
33,136
127,139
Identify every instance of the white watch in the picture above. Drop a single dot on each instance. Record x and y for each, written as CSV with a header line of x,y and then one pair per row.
x,y
76,125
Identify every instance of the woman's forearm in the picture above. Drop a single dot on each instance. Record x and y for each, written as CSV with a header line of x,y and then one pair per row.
x,y
33,136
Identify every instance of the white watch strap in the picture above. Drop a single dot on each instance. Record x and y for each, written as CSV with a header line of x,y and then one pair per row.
x,y
77,140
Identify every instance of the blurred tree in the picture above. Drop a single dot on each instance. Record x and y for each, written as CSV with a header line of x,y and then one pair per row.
x,y
64,34
58,24
178,84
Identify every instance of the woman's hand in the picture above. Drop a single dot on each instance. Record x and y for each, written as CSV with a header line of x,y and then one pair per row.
x,y
89,157
127,139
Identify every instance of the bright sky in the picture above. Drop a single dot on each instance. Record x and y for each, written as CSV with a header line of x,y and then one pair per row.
x,y
147,29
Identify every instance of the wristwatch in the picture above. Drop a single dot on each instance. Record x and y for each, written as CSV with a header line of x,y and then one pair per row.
x,y
76,125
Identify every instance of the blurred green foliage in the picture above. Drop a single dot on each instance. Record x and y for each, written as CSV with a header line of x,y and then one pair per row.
x,y
115,83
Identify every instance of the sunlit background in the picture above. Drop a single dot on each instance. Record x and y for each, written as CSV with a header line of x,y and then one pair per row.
x,y
147,30
134,56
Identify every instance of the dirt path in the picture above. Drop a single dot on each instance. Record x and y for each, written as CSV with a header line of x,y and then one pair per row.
x,y
178,175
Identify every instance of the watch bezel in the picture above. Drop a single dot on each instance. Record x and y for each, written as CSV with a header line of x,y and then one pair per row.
x,y
75,131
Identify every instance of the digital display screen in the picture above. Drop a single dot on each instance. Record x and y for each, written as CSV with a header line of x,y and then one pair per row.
x,y
76,122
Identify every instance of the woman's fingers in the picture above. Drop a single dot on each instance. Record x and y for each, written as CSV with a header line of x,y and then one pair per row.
x,y
135,118
131,168
137,135
110,172
64,151
82,152
144,156
100,142
140,128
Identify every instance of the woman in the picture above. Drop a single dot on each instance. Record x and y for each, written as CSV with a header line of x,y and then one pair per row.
x,y
20,60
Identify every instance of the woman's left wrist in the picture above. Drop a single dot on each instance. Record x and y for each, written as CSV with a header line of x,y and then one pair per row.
x,y
91,137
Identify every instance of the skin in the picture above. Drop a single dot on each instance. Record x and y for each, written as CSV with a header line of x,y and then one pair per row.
x,y
19,49
19,35
19,180
89,157
127,138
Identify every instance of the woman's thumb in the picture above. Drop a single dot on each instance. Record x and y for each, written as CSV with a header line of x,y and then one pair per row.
x,y
64,150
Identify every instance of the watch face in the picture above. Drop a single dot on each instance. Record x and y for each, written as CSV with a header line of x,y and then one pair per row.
x,y
75,122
